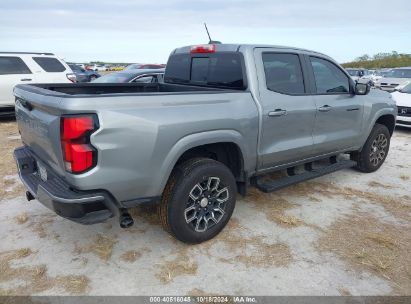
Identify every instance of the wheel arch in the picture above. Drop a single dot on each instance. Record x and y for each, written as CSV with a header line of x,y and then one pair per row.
x,y
387,120
383,116
226,146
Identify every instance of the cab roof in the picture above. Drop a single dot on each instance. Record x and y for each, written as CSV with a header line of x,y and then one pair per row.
x,y
236,47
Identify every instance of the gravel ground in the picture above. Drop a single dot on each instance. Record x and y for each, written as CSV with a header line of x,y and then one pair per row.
x,y
343,234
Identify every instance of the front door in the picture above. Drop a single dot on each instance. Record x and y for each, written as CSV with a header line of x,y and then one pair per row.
x,y
339,120
288,111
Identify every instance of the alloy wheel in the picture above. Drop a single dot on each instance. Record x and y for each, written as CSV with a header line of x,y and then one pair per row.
x,y
206,204
378,149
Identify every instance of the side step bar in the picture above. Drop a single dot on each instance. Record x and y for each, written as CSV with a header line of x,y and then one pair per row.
x,y
267,187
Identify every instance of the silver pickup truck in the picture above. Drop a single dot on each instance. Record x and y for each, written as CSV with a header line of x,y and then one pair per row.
x,y
225,116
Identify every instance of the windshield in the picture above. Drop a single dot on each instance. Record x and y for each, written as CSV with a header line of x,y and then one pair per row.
x,y
406,89
399,73
133,66
115,78
353,72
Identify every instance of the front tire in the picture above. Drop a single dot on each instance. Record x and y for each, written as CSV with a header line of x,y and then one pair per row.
x,y
375,150
198,200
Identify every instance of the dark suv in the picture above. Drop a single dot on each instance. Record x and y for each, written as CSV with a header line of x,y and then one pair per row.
x,y
82,74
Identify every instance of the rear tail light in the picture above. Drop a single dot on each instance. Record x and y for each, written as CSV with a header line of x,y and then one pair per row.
x,y
72,77
78,153
203,49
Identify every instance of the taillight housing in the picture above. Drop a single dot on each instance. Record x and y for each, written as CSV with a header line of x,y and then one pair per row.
x,y
72,77
78,154
203,49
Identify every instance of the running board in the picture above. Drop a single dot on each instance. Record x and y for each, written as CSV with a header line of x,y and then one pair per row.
x,y
294,179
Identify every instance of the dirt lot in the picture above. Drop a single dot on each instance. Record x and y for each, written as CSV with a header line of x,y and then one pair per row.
x,y
343,234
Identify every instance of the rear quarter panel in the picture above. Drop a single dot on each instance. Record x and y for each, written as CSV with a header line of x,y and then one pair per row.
x,y
141,137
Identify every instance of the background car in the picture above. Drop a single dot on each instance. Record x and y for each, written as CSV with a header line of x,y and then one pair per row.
x,y
144,76
360,74
97,67
376,75
26,68
82,74
403,101
394,78
138,66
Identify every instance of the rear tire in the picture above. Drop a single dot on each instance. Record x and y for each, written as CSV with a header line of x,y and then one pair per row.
x,y
198,200
375,150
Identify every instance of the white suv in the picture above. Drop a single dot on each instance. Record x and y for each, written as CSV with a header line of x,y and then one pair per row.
x,y
16,68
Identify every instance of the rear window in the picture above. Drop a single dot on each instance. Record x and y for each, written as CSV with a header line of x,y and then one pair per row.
x,y
224,70
49,64
13,65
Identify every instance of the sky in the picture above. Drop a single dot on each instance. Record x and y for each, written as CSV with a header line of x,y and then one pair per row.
x,y
147,31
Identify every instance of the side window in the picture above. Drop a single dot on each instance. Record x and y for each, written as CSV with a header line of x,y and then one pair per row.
x,y
13,65
328,77
283,73
144,79
49,64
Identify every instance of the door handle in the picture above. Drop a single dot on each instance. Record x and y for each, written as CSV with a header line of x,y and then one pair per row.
x,y
26,79
277,112
353,109
325,108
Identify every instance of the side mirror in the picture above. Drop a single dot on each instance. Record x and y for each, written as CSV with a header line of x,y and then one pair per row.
x,y
362,88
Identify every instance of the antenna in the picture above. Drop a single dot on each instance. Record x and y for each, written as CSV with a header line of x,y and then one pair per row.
x,y
209,37
208,33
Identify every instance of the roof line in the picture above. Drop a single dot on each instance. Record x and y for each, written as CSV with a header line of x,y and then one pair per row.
x,y
34,53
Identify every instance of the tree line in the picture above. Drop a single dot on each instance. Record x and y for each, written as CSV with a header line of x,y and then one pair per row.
x,y
380,60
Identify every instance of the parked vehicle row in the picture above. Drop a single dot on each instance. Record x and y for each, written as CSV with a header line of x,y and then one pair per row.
x,y
110,67
386,79
129,76
395,79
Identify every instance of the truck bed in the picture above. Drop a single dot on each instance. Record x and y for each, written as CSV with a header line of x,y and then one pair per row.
x,y
117,88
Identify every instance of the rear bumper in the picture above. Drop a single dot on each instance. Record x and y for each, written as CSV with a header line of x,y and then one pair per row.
x,y
84,207
7,111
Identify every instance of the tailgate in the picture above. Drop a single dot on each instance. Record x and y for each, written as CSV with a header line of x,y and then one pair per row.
x,y
40,128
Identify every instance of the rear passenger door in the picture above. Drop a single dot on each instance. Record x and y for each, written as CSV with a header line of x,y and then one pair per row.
x,y
288,110
13,71
338,121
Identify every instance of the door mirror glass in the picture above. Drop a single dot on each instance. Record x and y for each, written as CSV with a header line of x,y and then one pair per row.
x,y
362,88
